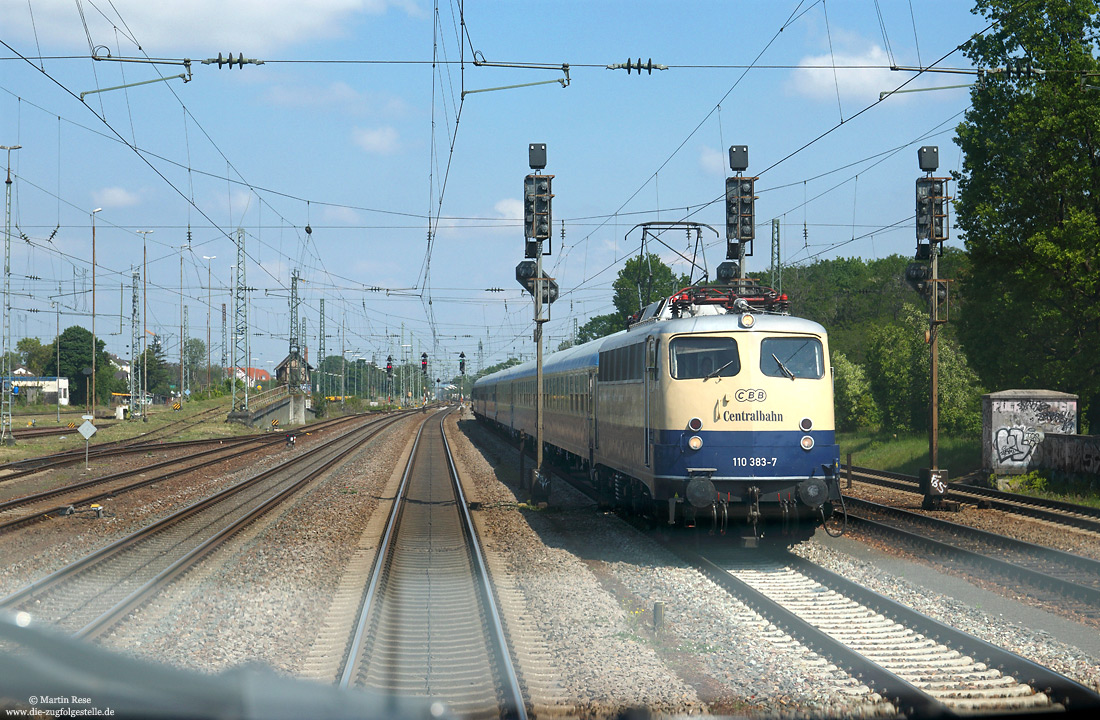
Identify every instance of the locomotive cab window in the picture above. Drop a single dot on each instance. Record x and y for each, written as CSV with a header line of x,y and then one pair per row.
x,y
700,357
792,357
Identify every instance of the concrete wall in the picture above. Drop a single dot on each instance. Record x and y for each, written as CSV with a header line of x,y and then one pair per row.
x,y
289,411
1014,423
1076,454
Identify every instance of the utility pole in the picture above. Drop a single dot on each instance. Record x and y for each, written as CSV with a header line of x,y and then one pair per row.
x,y
6,378
293,379
321,349
225,341
209,311
144,322
777,267
185,384
240,321
135,341
94,341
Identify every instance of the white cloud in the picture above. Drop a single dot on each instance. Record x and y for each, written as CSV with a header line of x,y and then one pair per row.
x,y
815,77
115,197
379,141
335,94
509,208
712,161
199,26
341,215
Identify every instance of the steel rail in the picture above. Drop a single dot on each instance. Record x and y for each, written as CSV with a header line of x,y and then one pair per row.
x,y
1070,693
87,500
908,698
139,535
352,662
1064,513
140,596
499,636
1089,594
508,694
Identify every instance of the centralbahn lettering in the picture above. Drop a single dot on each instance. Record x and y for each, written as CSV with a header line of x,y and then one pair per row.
x,y
752,416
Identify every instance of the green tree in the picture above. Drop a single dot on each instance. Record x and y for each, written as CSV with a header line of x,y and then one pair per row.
x,y
643,280
76,356
194,353
898,369
849,296
600,326
154,363
499,366
640,281
1028,200
855,406
35,355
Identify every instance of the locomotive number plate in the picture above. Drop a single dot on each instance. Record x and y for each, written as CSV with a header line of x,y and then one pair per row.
x,y
754,462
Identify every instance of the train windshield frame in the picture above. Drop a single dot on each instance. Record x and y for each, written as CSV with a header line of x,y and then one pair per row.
x,y
695,357
792,357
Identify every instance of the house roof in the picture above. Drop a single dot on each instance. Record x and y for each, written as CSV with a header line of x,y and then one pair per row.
x,y
286,361
255,373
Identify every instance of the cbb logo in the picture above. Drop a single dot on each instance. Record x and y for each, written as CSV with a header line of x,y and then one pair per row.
x,y
750,395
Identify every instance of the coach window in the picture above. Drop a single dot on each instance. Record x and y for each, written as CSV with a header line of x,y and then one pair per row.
x,y
698,357
792,357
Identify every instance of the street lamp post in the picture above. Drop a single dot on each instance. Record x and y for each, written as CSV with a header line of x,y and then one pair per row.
x,y
94,342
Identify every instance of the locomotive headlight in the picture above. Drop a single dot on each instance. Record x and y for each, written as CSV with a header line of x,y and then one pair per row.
x,y
806,442
695,442
695,424
805,424
747,321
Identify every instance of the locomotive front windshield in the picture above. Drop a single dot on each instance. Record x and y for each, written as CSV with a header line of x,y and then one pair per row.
x,y
792,357
701,357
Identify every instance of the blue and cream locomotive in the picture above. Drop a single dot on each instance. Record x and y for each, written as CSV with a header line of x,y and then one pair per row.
x,y
714,408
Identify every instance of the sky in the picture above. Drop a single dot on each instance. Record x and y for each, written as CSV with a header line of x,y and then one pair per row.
x,y
356,126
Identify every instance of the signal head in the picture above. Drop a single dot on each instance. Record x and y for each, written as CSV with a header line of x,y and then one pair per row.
x,y
739,158
928,157
536,156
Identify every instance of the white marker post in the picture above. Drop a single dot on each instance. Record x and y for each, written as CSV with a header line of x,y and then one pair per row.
x,y
87,430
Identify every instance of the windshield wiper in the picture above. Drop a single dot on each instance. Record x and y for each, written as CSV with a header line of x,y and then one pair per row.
x,y
784,368
714,373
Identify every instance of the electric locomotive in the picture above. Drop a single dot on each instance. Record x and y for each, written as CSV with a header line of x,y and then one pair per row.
x,y
714,409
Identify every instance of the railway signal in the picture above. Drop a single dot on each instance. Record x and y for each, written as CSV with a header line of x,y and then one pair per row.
x,y
536,212
462,363
932,231
389,365
526,271
424,363
740,212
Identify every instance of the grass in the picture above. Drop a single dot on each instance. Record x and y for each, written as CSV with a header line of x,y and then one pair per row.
x,y
960,456
908,453
210,426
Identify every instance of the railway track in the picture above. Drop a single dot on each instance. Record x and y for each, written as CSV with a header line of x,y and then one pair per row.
x,y
427,622
95,593
26,509
140,443
923,666
1063,513
1075,580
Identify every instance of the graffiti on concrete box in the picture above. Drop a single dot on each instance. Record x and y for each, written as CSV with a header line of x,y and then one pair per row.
x,y
1016,444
